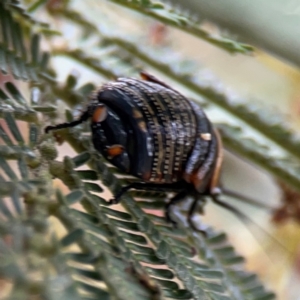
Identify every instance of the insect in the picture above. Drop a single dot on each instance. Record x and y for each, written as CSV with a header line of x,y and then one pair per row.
x,y
151,131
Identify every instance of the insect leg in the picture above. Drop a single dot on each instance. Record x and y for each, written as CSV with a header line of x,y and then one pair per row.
x,y
123,190
177,198
82,118
234,210
192,210
248,221
246,199
194,206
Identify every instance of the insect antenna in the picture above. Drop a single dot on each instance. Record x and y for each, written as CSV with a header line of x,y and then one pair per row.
x,y
82,119
251,224
238,196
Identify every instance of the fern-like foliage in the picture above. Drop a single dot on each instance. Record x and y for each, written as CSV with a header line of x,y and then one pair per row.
x,y
106,252
22,60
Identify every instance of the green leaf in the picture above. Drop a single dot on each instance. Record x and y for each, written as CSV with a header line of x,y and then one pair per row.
x,y
7,169
163,273
86,89
88,273
74,197
93,187
5,137
134,237
181,294
16,201
72,237
4,209
87,174
44,61
44,109
82,258
5,26
3,62
35,54
118,214
23,168
15,93
71,81
34,6
14,128
33,134
101,294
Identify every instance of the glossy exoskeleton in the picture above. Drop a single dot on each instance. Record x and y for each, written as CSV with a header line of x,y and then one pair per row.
x,y
151,131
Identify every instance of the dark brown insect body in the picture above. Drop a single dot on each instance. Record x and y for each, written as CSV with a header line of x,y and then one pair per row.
x,y
151,131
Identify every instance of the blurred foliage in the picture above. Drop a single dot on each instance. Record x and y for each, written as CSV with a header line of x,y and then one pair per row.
x,y
269,25
109,252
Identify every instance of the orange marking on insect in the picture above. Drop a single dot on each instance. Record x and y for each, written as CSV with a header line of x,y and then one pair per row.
x,y
214,183
146,176
115,150
145,76
99,114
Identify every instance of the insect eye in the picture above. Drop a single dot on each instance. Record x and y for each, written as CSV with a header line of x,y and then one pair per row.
x,y
99,114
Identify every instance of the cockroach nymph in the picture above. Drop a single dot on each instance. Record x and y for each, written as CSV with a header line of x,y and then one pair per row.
x,y
151,131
